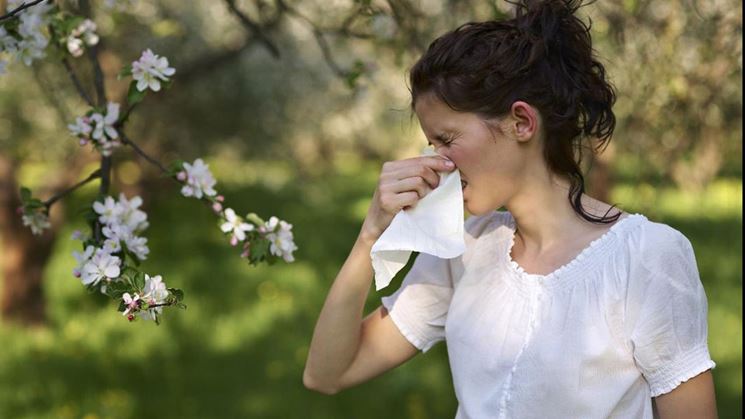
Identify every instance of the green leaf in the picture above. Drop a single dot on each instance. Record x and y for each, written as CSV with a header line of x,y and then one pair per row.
x,y
116,289
139,280
358,69
25,193
179,294
126,72
135,96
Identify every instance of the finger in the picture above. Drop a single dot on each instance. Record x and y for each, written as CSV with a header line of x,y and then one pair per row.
x,y
405,199
436,163
405,172
416,184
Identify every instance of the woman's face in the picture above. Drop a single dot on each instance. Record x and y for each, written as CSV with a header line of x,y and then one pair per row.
x,y
491,164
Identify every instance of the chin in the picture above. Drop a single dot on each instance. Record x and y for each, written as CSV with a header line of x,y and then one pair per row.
x,y
475,210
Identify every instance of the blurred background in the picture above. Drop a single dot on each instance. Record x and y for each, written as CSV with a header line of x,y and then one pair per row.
x,y
295,105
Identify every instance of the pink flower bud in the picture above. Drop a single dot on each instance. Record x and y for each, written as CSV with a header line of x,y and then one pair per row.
x,y
181,176
233,241
83,141
220,198
76,273
216,207
245,254
262,229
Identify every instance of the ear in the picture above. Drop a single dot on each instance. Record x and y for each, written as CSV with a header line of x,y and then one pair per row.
x,y
525,121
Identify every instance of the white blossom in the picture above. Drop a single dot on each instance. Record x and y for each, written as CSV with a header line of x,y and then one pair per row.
x,y
138,246
281,239
38,221
74,46
122,221
109,211
83,34
32,22
82,259
133,303
130,215
78,235
236,225
30,49
154,292
199,180
105,124
150,70
7,43
87,29
81,127
102,266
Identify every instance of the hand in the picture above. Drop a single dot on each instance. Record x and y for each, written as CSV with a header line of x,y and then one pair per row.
x,y
401,185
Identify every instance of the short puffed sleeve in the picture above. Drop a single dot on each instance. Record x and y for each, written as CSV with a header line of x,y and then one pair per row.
x,y
420,306
666,309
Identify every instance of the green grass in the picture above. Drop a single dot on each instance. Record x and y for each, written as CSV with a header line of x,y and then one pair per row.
x,y
239,348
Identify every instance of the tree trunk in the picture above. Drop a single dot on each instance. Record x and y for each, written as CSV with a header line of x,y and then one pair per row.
x,y
23,256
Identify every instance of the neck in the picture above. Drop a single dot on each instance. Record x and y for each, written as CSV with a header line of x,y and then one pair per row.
x,y
543,214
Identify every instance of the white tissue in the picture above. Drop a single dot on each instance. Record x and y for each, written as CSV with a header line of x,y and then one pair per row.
x,y
433,226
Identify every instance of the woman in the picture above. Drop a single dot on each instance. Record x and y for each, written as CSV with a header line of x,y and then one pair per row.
x,y
560,307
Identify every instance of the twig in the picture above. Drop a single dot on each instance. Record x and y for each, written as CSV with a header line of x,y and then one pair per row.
x,y
60,195
21,8
320,40
326,51
254,28
142,153
76,82
98,75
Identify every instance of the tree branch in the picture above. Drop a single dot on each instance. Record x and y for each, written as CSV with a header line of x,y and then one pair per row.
x,y
255,29
21,8
76,82
48,203
142,153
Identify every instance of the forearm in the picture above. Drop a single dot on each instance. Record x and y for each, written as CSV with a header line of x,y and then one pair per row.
x,y
336,336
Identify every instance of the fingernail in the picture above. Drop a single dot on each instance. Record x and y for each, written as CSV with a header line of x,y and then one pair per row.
x,y
449,163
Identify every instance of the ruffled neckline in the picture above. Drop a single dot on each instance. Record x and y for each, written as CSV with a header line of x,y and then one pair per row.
x,y
578,260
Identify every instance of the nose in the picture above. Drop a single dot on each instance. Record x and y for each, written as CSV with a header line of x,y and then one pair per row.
x,y
442,151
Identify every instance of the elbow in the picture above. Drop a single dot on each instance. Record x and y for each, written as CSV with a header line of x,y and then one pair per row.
x,y
314,385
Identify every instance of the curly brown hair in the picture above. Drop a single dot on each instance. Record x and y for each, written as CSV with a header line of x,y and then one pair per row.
x,y
542,56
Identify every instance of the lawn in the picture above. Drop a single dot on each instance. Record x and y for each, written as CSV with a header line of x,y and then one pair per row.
x,y
239,348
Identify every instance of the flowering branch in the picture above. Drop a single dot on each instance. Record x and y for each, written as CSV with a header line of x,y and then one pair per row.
x,y
21,8
110,256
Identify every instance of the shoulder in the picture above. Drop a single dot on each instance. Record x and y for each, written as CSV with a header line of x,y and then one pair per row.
x,y
659,254
655,245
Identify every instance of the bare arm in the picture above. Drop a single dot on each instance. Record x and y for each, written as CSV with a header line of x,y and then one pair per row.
x,y
693,399
345,349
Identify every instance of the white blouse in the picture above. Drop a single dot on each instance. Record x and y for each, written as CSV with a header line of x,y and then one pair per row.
x,y
623,322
